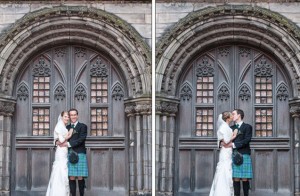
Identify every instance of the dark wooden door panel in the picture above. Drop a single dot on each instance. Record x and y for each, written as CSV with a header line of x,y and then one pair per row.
x,y
107,171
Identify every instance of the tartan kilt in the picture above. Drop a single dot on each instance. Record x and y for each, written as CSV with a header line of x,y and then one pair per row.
x,y
244,170
80,168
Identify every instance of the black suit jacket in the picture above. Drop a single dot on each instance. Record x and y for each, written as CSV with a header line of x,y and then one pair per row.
x,y
77,141
243,138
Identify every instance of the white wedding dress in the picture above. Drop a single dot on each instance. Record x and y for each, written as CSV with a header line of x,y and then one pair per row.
x,y
222,184
59,182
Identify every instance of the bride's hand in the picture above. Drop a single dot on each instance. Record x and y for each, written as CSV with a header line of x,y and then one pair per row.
x,y
70,131
69,134
234,134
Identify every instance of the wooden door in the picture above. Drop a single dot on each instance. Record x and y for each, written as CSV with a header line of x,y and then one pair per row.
x,y
58,79
221,79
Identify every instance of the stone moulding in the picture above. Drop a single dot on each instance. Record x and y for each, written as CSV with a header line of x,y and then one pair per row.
x,y
246,24
75,24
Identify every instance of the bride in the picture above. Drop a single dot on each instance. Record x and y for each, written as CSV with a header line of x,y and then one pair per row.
x,y
59,183
222,183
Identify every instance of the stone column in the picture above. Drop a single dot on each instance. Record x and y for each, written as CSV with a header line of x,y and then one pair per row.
x,y
7,107
166,110
139,113
295,113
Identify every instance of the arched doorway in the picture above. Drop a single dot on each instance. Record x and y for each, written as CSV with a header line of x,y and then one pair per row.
x,y
86,58
70,76
217,59
221,79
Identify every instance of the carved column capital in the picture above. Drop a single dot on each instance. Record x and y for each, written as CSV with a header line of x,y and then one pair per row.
x,y
295,107
166,106
138,106
143,108
7,106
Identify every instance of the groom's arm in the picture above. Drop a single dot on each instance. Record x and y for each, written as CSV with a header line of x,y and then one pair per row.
x,y
80,139
246,140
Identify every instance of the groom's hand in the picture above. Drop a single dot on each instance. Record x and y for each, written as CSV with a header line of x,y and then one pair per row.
x,y
229,145
222,144
57,142
63,144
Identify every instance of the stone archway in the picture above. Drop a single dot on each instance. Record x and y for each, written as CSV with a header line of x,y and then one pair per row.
x,y
92,28
87,26
208,28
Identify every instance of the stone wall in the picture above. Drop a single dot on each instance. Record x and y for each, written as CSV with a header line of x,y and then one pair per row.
x,y
168,14
136,14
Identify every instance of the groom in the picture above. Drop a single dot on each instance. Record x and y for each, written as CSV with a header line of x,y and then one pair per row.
x,y
242,144
78,170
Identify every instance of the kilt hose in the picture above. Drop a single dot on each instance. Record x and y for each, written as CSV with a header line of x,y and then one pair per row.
x,y
80,168
244,170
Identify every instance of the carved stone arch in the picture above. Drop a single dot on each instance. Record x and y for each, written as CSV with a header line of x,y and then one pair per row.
x,y
80,92
105,32
23,91
186,91
282,92
117,91
244,92
223,92
59,92
265,30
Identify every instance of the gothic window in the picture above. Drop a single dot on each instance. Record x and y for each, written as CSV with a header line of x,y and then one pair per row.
x,y
205,81
99,73
99,82
41,81
263,96
41,97
204,97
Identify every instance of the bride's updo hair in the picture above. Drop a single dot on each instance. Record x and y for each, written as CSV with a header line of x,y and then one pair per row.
x,y
226,115
63,112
